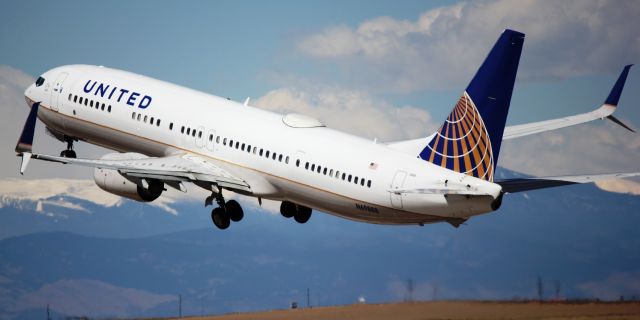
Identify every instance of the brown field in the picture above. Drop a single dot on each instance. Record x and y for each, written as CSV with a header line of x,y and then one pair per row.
x,y
451,310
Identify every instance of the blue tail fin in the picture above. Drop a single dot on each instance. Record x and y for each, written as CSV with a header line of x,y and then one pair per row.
x,y
469,140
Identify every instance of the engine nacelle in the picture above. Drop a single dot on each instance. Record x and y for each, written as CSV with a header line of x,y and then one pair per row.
x,y
113,182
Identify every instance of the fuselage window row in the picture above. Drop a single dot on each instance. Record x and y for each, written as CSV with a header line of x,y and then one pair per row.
x,y
324,171
145,119
89,103
248,148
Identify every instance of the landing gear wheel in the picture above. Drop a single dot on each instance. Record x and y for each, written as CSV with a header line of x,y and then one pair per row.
x,y
303,214
234,210
287,209
220,218
68,154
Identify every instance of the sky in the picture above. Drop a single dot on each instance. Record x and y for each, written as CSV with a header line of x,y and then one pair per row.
x,y
396,67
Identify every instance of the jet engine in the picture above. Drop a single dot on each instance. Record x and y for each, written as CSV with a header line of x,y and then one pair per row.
x,y
132,188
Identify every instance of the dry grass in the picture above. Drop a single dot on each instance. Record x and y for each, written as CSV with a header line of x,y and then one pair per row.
x,y
451,310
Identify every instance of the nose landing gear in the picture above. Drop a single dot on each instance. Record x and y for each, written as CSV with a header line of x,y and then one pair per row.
x,y
69,152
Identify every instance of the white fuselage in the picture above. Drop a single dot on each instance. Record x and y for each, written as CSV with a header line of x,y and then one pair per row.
x,y
239,137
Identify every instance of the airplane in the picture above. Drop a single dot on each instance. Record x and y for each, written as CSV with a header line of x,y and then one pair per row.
x,y
165,135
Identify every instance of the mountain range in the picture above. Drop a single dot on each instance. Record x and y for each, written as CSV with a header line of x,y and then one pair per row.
x,y
84,252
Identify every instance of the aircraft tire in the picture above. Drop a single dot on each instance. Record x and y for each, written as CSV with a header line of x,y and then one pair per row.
x,y
302,215
287,209
220,218
234,210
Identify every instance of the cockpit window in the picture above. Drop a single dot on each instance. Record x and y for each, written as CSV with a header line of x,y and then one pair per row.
x,y
40,81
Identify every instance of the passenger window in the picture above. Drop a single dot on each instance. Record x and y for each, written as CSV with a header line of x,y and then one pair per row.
x,y
80,100
109,109
337,174
103,107
349,179
298,163
157,122
230,143
69,96
218,139
97,105
261,152
344,175
199,134
242,147
313,167
151,120
355,180
255,149
145,119
319,169
182,129
273,156
249,148
237,144
224,142
75,98
286,160
86,102
210,137
331,173
139,116
369,184
193,133
91,103
324,171
362,182
267,154
188,131
133,116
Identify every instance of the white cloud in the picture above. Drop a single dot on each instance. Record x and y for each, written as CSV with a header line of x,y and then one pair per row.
x,y
591,148
351,111
445,45
620,186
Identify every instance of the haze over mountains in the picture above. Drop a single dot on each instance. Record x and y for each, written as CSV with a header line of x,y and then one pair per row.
x,y
105,256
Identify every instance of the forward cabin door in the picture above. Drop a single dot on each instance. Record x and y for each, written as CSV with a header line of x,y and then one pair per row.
x,y
396,184
211,140
57,92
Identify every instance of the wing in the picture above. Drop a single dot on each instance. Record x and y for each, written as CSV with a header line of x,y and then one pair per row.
x,y
604,111
171,169
525,184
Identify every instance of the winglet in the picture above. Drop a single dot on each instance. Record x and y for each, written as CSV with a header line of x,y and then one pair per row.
x,y
26,156
25,143
616,91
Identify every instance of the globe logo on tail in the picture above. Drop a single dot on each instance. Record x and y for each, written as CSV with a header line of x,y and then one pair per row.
x,y
462,143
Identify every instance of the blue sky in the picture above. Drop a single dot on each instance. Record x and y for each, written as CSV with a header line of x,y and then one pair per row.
x,y
371,56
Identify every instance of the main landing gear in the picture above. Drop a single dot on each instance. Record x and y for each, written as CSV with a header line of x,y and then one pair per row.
x,y
69,152
299,213
225,212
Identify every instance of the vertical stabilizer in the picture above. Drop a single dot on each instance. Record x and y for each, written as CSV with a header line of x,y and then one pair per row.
x,y
469,140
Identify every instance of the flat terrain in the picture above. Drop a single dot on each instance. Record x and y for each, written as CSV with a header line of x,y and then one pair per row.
x,y
452,310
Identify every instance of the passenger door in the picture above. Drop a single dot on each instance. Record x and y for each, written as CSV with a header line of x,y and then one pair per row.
x,y
396,184
211,140
57,91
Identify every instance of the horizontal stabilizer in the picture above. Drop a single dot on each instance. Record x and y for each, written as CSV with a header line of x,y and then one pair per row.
x,y
526,184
